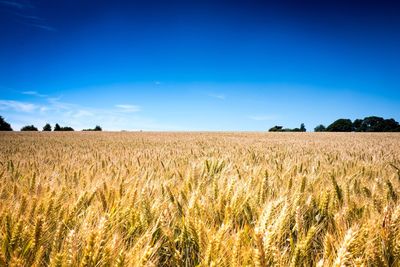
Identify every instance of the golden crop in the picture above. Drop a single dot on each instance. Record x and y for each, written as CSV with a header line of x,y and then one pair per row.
x,y
199,199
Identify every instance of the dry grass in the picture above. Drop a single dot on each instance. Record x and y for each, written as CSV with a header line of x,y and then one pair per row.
x,y
199,199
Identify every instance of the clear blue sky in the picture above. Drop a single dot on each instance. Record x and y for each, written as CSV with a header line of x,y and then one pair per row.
x,y
198,65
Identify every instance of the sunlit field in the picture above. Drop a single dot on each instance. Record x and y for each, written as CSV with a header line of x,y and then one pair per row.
x,y
199,199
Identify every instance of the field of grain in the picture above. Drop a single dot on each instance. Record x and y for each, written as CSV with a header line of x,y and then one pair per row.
x,y
199,199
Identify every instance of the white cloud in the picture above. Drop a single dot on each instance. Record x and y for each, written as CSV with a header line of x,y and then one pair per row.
x,y
44,109
17,106
33,93
263,118
127,108
218,96
53,110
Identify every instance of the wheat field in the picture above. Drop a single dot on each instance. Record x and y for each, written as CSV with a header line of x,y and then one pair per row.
x,y
199,199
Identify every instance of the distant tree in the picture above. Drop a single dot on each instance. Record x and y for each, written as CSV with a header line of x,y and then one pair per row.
x,y
391,125
67,129
302,128
47,128
340,125
63,129
4,126
320,128
276,128
29,128
97,128
357,125
373,124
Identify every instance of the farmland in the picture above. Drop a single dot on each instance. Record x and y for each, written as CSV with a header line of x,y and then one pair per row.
x,y
199,199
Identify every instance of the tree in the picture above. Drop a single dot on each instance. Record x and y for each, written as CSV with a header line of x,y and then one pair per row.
x,y
357,125
276,129
372,124
302,128
67,129
320,128
4,126
29,128
340,125
375,124
47,128
64,129
391,125
98,128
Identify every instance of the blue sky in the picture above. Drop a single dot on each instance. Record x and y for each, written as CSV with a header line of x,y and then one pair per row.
x,y
198,65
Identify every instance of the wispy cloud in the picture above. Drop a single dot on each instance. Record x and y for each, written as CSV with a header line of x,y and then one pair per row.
x,y
46,109
43,27
263,118
218,96
127,108
83,113
33,93
16,4
25,13
17,106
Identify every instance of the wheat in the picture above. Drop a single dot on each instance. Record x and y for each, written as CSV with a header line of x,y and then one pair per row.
x,y
199,199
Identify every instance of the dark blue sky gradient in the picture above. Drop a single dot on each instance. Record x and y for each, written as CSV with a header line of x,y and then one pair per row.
x,y
113,51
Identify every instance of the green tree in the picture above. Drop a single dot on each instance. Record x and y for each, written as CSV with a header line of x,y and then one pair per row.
x,y
47,128
67,129
340,125
357,125
4,126
391,125
97,128
57,127
29,128
302,128
276,128
375,124
64,129
320,128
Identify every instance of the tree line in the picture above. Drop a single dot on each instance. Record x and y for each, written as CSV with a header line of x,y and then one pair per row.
x,y
281,129
5,126
368,124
